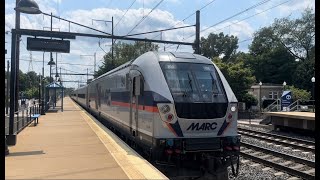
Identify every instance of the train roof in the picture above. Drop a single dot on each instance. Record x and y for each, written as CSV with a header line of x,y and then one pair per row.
x,y
162,57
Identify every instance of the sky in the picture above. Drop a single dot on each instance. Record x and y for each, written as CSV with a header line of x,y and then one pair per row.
x,y
240,18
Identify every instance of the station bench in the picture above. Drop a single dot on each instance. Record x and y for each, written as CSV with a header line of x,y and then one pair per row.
x,y
35,117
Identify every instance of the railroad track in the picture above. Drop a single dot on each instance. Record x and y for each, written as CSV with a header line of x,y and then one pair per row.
x,y
292,165
279,139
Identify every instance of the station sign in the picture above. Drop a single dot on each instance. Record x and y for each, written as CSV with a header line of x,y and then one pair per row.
x,y
286,100
48,45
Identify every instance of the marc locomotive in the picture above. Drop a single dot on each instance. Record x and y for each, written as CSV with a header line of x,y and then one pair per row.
x,y
177,107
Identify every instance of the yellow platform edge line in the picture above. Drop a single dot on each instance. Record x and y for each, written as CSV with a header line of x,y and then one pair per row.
x,y
131,162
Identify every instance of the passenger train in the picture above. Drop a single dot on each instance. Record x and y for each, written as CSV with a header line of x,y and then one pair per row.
x,y
177,107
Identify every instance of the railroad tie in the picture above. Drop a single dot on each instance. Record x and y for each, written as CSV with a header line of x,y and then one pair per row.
x,y
294,178
246,151
265,156
245,161
286,163
298,166
255,165
275,159
278,173
266,168
255,153
310,171
305,152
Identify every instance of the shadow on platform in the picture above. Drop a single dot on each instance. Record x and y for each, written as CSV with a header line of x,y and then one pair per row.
x,y
28,153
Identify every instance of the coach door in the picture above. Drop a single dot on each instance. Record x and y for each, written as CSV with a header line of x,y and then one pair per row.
x,y
135,91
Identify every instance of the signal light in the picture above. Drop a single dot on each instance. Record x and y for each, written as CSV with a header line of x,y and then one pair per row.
x,y
169,117
169,151
165,109
237,148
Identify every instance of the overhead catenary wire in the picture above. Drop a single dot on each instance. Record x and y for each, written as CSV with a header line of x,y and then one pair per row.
x,y
237,14
189,15
124,14
144,17
253,15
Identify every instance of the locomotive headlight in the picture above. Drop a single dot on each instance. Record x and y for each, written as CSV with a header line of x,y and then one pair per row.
x,y
167,112
233,107
164,109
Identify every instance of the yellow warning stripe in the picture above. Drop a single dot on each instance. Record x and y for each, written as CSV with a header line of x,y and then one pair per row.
x,y
131,163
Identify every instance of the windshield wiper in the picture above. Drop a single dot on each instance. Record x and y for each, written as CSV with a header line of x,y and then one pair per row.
x,y
213,84
190,82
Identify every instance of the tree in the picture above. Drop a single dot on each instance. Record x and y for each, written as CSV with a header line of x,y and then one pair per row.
x,y
239,77
297,36
123,53
274,50
216,45
299,94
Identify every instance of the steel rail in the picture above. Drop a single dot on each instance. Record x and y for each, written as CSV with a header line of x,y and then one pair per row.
x,y
298,146
283,168
311,143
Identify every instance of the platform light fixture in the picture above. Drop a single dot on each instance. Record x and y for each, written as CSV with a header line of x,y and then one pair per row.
x,y
28,7
260,103
51,62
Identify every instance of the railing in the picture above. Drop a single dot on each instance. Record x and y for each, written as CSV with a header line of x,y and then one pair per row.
x,y
22,118
299,105
275,106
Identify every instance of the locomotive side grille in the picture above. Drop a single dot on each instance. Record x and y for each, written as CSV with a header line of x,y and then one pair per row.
x,y
197,144
201,110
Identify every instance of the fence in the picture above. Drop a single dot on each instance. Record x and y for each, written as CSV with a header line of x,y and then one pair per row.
x,y
22,118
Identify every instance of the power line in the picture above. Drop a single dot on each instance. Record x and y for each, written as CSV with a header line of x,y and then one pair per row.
x,y
237,14
189,15
38,61
144,17
253,15
124,14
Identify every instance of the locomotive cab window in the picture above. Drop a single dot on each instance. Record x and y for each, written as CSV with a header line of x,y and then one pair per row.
x,y
192,82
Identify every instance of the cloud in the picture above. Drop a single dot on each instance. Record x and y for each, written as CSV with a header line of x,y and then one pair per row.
x,y
296,5
148,2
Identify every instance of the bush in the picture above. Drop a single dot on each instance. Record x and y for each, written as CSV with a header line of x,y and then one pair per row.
x,y
301,94
249,99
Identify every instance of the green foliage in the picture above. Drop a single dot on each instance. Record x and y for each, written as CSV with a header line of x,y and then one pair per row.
x,y
238,76
297,36
250,100
123,53
32,92
299,93
218,44
274,49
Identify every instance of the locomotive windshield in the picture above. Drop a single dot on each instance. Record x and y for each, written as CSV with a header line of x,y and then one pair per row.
x,y
192,82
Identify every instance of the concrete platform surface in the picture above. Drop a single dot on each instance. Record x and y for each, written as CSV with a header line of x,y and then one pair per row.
x,y
71,145
297,115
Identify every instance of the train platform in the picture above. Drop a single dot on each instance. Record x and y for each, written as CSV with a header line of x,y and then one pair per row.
x,y
72,145
298,120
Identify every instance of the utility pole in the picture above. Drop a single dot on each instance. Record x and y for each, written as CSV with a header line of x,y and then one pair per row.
x,y
197,43
87,75
17,54
95,61
112,43
7,89
43,88
50,52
